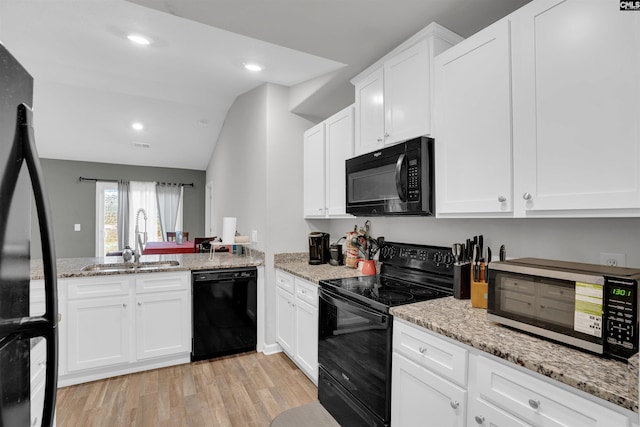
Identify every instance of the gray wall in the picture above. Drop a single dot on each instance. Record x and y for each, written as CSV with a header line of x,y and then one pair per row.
x,y
74,202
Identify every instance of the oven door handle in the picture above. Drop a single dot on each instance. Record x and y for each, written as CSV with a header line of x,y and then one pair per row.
x,y
379,318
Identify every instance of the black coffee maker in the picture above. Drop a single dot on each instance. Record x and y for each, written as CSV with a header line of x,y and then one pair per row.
x,y
318,248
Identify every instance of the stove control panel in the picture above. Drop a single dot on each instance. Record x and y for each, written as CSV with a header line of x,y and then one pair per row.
x,y
437,259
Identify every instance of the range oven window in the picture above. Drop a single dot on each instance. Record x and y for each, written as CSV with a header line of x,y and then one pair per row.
x,y
354,348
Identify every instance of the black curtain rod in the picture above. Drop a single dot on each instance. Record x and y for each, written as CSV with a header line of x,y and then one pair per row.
x,y
115,180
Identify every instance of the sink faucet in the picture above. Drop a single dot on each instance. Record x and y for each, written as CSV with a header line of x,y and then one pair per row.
x,y
137,237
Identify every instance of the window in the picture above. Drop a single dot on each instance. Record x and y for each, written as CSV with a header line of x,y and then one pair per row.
x,y
142,195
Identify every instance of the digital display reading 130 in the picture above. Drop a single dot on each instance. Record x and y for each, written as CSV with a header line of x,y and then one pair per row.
x,y
621,292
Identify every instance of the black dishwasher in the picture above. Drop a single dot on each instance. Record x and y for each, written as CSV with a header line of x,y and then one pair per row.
x,y
224,312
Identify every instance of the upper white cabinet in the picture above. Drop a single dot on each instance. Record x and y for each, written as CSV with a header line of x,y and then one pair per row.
x,y
326,147
534,115
393,96
576,107
472,124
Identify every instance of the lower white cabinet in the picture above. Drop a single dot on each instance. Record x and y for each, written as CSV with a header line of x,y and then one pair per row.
x,y
427,389
124,323
297,321
428,379
37,381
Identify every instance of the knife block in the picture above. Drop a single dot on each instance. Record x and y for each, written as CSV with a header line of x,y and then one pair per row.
x,y
479,290
462,281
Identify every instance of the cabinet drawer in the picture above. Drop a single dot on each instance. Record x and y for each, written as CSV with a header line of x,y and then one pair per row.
x,y
427,350
284,281
307,292
157,282
97,287
537,401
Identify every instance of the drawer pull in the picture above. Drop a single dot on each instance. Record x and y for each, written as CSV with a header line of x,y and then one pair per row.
x,y
34,422
454,404
535,404
423,350
479,419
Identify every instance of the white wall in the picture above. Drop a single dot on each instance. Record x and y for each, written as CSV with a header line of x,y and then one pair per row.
x,y
579,240
256,171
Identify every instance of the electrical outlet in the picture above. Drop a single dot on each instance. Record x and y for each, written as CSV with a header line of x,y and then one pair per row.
x,y
76,227
254,236
613,260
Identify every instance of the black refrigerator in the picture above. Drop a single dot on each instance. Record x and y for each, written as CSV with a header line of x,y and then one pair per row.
x,y
21,178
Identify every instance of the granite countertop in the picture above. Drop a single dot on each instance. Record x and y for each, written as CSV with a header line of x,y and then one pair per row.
x,y
72,267
298,264
611,380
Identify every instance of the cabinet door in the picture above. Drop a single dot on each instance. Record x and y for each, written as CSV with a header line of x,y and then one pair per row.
x,y
339,147
98,332
472,124
418,395
407,112
314,168
162,324
370,113
284,320
576,106
306,320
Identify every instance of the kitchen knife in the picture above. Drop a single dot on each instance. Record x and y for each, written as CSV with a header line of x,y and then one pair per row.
x,y
467,252
476,267
486,265
480,245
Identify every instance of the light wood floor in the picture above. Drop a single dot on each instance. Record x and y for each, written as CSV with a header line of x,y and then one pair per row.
x,y
244,390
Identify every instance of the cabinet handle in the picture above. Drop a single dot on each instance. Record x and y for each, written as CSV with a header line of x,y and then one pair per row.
x,y
124,305
422,350
386,135
139,302
379,139
527,196
34,422
59,317
479,419
535,404
502,199
454,404
42,363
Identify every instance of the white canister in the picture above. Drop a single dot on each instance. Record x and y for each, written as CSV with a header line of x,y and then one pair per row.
x,y
228,230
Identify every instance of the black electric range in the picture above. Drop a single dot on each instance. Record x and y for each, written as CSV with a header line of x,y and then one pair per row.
x,y
355,329
408,274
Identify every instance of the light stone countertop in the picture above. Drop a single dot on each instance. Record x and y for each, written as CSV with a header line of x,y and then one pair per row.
x,y
72,267
298,264
608,379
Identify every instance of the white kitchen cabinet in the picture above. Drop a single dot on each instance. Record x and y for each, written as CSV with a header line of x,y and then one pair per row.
x,y
533,401
339,133
472,125
38,367
297,321
314,172
163,315
117,324
326,147
98,332
571,127
393,96
429,377
417,395
576,107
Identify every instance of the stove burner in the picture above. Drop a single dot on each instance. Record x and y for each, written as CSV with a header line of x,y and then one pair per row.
x,y
388,296
423,292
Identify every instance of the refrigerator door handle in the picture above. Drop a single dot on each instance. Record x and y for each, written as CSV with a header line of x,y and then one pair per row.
x,y
49,330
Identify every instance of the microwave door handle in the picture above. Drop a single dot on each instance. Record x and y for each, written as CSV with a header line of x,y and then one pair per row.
x,y
400,187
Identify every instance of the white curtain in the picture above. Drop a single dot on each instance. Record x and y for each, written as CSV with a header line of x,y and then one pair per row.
x,y
169,197
123,214
142,195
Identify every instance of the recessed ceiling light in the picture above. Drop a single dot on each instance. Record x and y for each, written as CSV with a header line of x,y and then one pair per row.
x,y
137,126
138,39
253,66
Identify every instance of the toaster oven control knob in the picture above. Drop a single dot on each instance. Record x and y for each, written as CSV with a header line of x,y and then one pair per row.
x,y
448,259
437,257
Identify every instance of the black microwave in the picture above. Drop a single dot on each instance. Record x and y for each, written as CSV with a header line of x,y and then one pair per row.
x,y
396,180
591,307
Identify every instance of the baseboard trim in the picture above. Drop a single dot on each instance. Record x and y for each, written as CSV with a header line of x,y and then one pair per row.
x,y
270,349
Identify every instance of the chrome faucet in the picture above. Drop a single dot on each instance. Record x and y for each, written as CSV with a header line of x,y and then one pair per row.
x,y
137,238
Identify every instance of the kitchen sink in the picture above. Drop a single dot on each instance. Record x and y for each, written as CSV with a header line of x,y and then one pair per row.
x,y
129,266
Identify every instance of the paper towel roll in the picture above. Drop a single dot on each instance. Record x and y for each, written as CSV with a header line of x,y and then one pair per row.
x,y
228,230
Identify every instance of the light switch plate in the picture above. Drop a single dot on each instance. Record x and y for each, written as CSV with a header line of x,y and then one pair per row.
x,y
254,236
76,227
